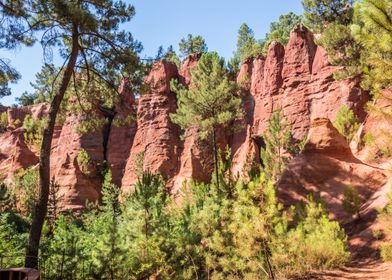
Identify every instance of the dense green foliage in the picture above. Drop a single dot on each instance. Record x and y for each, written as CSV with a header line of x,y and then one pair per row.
x,y
278,145
346,122
373,31
12,241
25,189
33,130
192,45
352,201
233,230
3,121
247,45
83,159
319,13
210,103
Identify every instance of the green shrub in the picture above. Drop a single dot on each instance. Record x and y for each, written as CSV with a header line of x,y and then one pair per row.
x,y
12,241
3,121
7,199
352,201
385,219
84,161
346,122
314,243
33,130
25,188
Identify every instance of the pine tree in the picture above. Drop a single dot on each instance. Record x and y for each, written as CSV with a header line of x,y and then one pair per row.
x,y
146,229
169,54
53,203
192,45
373,30
247,45
105,232
352,201
346,122
94,51
210,103
6,201
278,144
319,13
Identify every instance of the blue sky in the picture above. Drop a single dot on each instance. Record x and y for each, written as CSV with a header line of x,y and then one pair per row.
x,y
165,22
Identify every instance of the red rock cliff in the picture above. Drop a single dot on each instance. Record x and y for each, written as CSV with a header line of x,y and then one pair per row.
x,y
296,77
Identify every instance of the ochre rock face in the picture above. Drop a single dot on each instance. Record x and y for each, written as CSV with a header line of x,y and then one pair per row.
x,y
326,167
156,138
121,132
299,79
296,77
78,184
377,130
14,154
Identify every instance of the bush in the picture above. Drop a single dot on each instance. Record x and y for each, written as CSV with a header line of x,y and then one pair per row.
x,y
25,189
12,241
352,201
3,121
314,243
33,130
346,122
385,219
233,230
84,161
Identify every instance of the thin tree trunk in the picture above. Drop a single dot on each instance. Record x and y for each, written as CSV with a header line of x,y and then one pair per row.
x,y
215,158
40,209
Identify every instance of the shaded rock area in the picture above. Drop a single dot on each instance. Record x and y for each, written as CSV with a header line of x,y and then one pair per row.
x,y
325,168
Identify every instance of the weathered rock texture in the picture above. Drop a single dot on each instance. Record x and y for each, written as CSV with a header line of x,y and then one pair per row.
x,y
296,77
326,167
78,184
299,79
14,154
121,132
156,140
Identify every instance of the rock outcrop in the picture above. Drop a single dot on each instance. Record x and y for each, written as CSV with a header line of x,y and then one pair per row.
x,y
14,154
299,79
156,143
121,132
326,167
75,164
139,131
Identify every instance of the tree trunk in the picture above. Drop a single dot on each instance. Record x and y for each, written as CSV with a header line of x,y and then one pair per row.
x,y
40,209
215,158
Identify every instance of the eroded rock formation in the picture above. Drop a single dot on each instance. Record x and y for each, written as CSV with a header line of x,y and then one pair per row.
x,y
326,167
296,77
156,142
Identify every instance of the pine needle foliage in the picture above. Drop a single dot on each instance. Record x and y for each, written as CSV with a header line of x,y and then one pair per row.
x,y
346,122
210,104
319,13
192,45
278,144
373,30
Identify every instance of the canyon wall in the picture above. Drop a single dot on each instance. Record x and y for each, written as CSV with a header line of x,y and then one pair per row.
x,y
296,77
